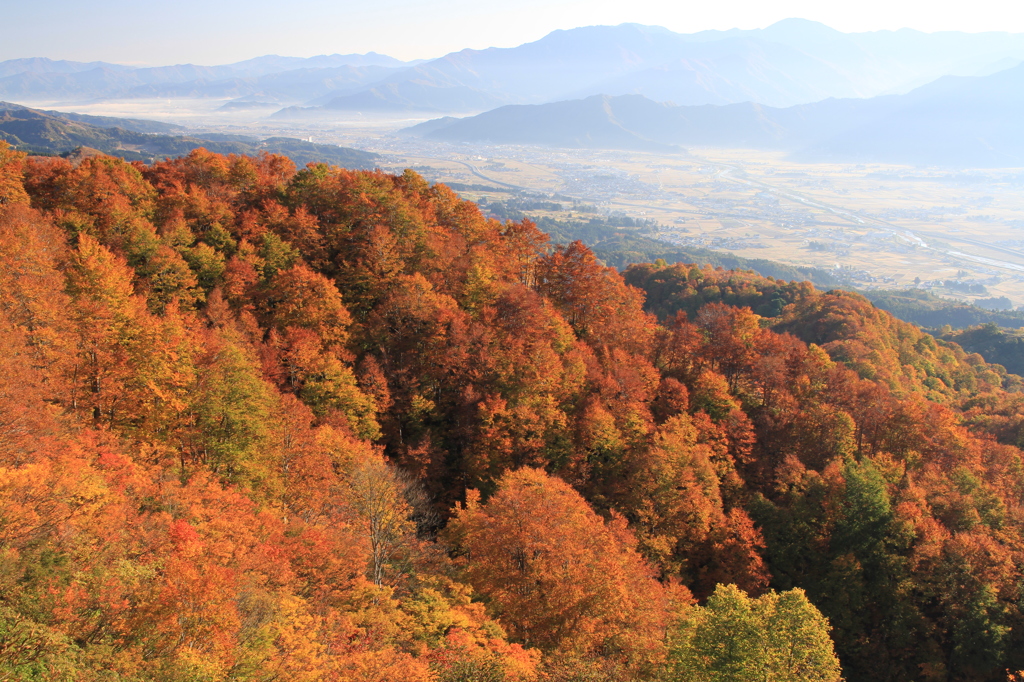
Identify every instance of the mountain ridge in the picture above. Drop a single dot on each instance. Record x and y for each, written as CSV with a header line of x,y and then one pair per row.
x,y
957,120
788,63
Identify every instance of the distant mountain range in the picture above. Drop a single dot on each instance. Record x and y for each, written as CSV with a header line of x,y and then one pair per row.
x,y
791,62
956,120
273,78
52,132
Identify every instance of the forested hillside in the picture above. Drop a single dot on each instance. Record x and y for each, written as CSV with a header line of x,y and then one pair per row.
x,y
62,134
267,424
1004,346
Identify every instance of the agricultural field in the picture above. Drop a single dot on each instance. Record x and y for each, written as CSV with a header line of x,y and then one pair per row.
x,y
958,234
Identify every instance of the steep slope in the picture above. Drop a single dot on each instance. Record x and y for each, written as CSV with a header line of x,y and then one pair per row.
x,y
330,424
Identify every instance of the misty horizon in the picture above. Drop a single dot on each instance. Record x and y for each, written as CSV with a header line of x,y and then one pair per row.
x,y
417,58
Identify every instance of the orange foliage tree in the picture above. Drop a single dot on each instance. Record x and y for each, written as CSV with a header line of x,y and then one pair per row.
x,y
557,574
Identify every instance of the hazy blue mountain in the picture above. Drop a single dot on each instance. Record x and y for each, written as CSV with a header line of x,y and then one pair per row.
x,y
955,121
267,64
312,82
595,122
426,128
290,79
601,121
791,62
733,70
12,67
967,121
631,58
297,85
102,81
890,61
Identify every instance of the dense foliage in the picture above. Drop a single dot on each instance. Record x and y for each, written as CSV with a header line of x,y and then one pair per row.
x,y
928,310
996,345
260,424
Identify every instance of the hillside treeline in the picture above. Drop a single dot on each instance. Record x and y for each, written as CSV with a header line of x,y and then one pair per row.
x,y
266,424
928,310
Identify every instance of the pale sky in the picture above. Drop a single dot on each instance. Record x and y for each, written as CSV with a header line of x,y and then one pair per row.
x,y
156,32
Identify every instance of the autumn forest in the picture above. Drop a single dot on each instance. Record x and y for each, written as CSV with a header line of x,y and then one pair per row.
x,y
279,424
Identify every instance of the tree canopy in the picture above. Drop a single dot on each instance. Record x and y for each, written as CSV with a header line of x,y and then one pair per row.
x,y
263,423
